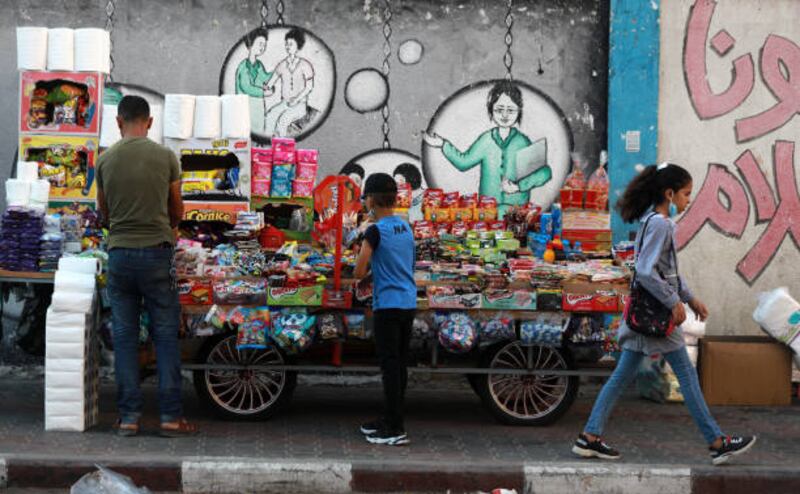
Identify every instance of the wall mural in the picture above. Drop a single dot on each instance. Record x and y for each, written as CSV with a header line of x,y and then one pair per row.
x,y
501,138
290,76
723,199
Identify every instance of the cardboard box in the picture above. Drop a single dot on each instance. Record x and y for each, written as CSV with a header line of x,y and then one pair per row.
x,y
592,297
509,299
745,370
302,295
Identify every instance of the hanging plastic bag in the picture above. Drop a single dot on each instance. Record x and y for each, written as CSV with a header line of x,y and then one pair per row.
x,y
651,381
105,481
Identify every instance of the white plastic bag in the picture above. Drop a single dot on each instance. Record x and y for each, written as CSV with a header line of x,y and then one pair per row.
x,y
105,481
779,315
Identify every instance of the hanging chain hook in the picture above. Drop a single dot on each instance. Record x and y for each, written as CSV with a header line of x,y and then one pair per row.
x,y
279,8
264,13
110,9
387,53
508,58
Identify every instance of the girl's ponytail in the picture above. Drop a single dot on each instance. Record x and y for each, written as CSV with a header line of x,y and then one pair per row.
x,y
648,187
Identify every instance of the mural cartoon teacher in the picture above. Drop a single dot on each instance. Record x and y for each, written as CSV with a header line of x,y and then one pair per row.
x,y
511,164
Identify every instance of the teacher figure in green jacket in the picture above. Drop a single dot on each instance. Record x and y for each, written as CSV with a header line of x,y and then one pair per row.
x,y
496,151
251,76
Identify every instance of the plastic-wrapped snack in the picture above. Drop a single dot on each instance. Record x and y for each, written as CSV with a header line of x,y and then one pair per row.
x,y
356,326
252,334
293,331
217,317
458,334
421,330
330,326
498,327
542,331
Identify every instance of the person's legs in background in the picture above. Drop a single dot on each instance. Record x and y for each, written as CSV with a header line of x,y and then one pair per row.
x,y
125,311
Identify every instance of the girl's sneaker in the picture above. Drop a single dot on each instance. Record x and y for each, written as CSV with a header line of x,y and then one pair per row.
x,y
731,446
594,449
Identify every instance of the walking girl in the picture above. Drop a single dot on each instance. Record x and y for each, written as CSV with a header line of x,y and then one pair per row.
x,y
655,197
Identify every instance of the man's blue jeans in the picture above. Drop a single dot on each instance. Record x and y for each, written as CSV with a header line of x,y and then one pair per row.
x,y
136,275
624,373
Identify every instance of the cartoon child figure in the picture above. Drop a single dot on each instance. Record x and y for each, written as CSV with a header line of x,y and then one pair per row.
x,y
496,151
296,75
355,172
408,173
251,76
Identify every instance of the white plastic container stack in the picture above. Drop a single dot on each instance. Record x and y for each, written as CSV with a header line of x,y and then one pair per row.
x,y
71,355
779,315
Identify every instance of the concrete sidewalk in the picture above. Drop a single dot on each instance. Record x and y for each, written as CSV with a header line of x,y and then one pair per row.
x,y
314,446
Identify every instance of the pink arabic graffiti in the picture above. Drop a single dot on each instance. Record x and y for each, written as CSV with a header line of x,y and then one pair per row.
x,y
731,217
780,70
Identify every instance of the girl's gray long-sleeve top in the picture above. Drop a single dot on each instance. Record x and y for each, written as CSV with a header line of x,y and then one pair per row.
x,y
657,272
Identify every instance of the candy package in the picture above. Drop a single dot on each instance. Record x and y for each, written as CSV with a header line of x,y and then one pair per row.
x,y
242,292
356,326
281,188
498,327
293,330
252,334
457,332
543,330
303,188
261,187
305,171
330,326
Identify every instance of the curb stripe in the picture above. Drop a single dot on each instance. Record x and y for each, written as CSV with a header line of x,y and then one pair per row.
x,y
632,479
435,478
735,482
62,474
3,474
234,477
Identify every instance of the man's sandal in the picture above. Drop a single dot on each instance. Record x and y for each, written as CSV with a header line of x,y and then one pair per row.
x,y
179,428
126,429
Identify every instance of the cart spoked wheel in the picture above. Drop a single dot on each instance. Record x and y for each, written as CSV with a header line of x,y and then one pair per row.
x,y
242,394
537,399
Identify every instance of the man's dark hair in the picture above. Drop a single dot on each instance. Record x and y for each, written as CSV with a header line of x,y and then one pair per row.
x,y
250,38
509,89
133,108
411,173
352,168
298,36
384,200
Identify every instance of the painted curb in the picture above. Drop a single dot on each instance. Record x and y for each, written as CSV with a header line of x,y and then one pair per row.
x,y
233,477
432,477
630,479
56,473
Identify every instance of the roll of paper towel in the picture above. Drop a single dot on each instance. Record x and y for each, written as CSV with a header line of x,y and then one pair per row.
x,y
18,192
86,265
40,194
92,50
207,117
31,48
178,115
156,132
70,281
61,49
76,302
28,171
235,116
109,130
40,190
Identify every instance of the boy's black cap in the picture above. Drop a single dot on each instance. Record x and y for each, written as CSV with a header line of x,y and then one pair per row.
x,y
380,183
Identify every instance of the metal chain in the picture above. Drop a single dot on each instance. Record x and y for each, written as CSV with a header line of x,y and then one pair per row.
x,y
110,8
508,58
264,13
387,53
279,8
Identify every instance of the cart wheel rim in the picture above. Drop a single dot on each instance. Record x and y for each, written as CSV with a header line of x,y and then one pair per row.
x,y
244,392
528,397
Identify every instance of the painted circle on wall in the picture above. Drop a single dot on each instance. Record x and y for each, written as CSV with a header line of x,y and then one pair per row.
x,y
366,90
114,92
298,71
391,161
410,52
465,121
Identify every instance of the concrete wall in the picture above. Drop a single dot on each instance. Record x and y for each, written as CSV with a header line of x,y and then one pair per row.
x,y
559,52
728,103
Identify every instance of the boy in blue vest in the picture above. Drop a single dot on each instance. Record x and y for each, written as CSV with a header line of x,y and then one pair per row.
x,y
389,246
